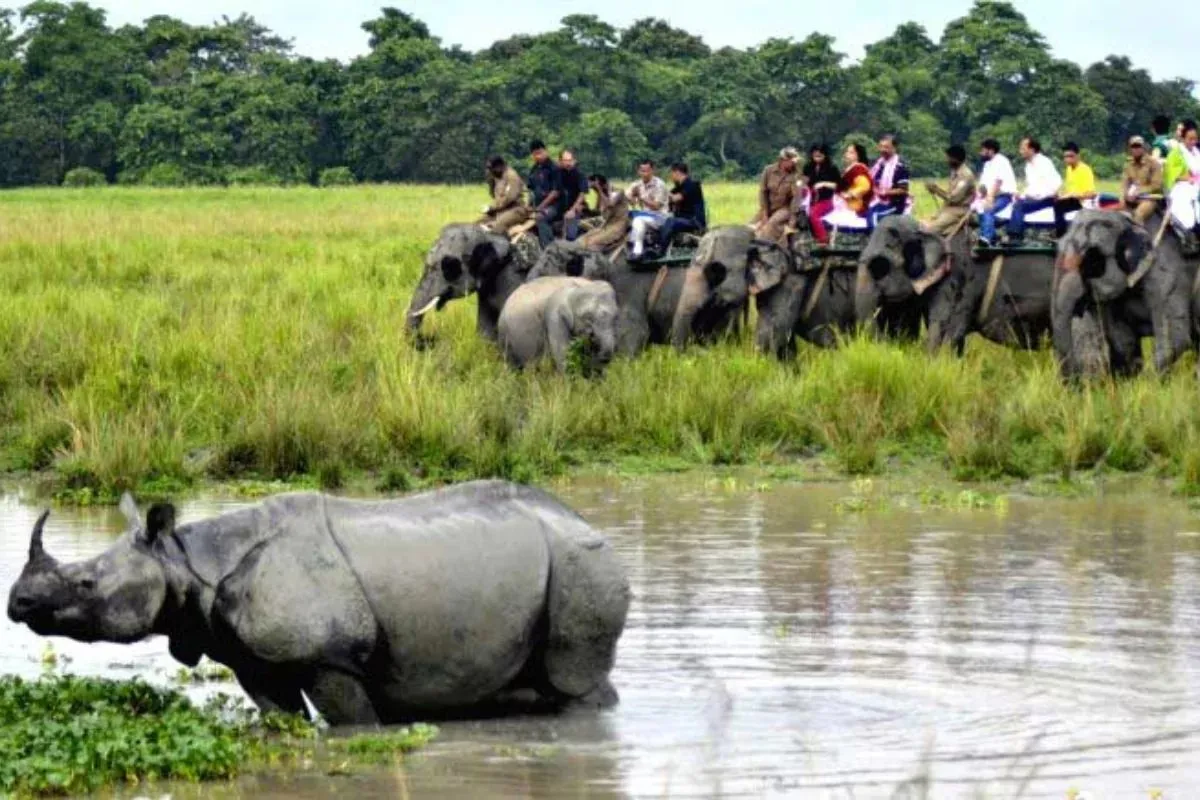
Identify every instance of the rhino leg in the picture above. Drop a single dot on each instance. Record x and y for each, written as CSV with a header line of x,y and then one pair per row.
x,y
587,600
341,698
272,694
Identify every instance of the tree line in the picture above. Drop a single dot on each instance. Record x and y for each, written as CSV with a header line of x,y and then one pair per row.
x,y
166,102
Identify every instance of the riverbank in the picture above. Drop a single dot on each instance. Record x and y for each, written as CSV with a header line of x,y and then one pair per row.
x,y
166,340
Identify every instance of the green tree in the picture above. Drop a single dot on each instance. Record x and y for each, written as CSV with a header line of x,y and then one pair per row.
x,y
608,141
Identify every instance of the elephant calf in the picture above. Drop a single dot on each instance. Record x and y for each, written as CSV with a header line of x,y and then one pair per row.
x,y
548,314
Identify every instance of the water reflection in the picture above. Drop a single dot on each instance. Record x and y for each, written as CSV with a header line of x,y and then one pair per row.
x,y
777,647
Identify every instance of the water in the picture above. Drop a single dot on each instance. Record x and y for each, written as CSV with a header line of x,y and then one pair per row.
x,y
778,647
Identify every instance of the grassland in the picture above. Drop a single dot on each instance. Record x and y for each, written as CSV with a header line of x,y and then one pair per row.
x,y
157,339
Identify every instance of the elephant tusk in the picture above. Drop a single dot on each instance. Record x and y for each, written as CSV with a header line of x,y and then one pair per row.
x,y
430,306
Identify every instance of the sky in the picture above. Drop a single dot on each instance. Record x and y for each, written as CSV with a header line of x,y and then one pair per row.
x,y
1083,31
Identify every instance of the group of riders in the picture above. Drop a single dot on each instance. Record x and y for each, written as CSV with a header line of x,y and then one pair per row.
x,y
796,193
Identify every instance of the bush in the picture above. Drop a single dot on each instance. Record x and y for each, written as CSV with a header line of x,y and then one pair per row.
x,y
83,177
336,176
256,175
164,175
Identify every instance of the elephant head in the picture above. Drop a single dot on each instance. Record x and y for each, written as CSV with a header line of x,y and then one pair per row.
x,y
729,266
461,261
1105,249
569,260
592,312
897,253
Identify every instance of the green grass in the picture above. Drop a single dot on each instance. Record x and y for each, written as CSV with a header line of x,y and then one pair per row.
x,y
68,735
160,339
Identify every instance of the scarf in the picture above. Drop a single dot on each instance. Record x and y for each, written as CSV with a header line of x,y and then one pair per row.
x,y
884,172
1192,159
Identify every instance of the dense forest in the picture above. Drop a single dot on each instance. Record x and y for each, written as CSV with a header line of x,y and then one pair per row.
x,y
170,103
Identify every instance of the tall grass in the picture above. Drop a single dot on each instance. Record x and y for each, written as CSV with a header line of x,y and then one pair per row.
x,y
159,335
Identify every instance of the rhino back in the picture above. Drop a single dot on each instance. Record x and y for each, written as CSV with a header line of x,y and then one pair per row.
x,y
457,580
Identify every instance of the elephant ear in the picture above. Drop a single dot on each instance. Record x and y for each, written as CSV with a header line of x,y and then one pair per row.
x,y
914,257
1132,247
933,250
489,256
715,273
766,267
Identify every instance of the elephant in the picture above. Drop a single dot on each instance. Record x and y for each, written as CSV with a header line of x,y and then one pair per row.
x,y
729,265
466,259
548,314
903,278
811,299
1100,256
646,299
447,604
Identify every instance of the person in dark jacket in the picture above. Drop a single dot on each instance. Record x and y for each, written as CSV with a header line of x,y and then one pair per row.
x,y
575,193
546,191
688,214
822,179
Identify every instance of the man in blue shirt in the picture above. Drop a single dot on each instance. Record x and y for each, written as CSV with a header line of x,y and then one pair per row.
x,y
546,191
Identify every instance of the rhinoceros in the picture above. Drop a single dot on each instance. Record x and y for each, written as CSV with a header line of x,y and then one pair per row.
x,y
450,603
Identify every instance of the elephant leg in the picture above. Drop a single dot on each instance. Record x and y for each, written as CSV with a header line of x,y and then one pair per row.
x,y
633,333
1125,346
1172,332
341,698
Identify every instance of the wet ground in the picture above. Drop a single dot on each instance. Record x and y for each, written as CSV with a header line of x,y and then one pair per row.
x,y
780,646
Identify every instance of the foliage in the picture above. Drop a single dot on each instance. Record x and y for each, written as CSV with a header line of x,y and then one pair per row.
x,y
69,735
64,735
254,336
336,176
83,177
168,103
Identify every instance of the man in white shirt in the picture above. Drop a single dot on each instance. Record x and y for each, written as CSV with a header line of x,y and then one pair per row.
x,y
997,185
650,200
1042,183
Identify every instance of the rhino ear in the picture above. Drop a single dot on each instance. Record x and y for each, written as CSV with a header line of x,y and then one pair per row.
x,y
130,511
160,521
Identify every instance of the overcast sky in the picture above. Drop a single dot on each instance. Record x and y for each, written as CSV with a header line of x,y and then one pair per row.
x,y
1083,31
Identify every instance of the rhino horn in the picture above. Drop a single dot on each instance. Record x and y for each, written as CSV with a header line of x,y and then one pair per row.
x,y
36,549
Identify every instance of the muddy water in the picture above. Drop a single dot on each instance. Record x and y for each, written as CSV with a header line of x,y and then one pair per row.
x,y
778,646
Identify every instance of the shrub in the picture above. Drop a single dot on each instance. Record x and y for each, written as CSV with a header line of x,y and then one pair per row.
x,y
164,175
336,176
83,177
256,175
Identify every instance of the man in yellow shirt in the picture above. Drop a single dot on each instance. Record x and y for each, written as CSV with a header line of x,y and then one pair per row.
x,y
1079,184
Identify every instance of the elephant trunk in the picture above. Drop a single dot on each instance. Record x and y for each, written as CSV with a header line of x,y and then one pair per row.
x,y
692,300
866,298
1069,293
425,299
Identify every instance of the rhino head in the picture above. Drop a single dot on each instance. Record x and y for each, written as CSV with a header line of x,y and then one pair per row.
x,y
118,596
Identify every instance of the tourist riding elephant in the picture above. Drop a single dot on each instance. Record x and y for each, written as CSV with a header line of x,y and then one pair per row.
x,y
1099,259
546,315
916,275
465,259
450,603
728,266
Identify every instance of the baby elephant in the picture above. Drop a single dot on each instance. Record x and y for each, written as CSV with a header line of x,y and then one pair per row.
x,y
551,313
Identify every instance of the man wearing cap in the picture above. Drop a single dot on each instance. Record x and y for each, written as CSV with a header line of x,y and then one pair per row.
x,y
1142,181
891,179
957,199
506,209
776,194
